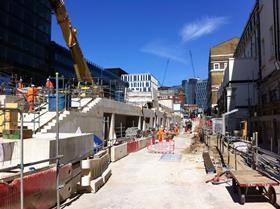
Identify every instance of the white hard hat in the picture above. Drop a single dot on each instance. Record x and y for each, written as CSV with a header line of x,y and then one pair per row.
x,y
32,85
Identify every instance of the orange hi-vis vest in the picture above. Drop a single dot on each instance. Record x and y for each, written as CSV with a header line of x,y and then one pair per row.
x,y
20,85
31,93
49,84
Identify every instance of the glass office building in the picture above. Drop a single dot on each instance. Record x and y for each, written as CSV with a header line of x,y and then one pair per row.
x,y
189,87
25,33
61,61
201,93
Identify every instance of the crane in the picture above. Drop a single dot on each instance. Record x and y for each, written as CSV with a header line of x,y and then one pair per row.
x,y
165,71
191,57
69,33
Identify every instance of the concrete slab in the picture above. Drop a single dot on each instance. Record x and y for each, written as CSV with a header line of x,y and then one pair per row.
x,y
106,175
141,181
96,184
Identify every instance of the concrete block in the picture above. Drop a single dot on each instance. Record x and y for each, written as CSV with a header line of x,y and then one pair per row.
x,y
83,189
95,167
85,181
96,184
106,175
66,191
75,181
142,143
118,152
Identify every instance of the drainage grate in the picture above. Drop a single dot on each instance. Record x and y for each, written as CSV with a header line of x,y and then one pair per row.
x,y
170,157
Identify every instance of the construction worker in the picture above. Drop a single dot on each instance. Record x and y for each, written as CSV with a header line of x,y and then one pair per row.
x,y
19,88
31,96
176,131
167,135
160,134
49,86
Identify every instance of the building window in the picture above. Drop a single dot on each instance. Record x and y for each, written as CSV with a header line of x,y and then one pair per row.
x,y
216,66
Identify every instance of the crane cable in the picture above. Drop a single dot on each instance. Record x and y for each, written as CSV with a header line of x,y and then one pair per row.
x,y
165,71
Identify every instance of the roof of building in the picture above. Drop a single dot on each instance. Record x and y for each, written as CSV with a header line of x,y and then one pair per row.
x,y
117,71
226,47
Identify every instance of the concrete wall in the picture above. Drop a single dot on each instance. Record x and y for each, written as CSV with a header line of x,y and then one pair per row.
x,y
92,121
266,24
240,75
43,146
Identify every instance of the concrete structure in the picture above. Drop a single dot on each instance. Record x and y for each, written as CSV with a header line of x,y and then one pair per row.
x,y
73,147
267,114
143,88
218,60
103,116
238,90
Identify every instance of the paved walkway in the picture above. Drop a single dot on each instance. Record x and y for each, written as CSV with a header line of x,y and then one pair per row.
x,y
142,181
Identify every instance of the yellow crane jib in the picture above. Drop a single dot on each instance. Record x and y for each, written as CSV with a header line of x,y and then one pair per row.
x,y
69,33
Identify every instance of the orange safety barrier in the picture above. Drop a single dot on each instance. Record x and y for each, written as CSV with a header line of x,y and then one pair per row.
x,y
39,189
132,146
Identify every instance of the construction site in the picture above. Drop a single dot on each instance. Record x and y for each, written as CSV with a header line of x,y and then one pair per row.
x,y
116,141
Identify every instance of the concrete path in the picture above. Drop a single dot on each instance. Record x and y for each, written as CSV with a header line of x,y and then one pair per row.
x,y
142,181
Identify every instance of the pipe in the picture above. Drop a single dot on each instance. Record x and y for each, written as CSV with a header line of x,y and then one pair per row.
x,y
57,143
21,161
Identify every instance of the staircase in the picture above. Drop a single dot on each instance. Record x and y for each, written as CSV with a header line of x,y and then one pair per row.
x,y
44,116
52,123
65,114
91,105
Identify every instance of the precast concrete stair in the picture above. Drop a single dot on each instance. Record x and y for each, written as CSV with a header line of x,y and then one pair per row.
x,y
88,105
52,123
40,118
80,102
91,105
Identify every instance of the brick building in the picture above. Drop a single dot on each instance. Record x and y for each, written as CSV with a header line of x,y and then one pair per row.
x,y
218,60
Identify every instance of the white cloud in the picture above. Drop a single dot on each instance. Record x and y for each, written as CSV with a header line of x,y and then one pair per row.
x,y
201,27
173,52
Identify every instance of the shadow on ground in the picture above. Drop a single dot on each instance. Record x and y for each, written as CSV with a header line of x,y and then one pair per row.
x,y
70,201
254,196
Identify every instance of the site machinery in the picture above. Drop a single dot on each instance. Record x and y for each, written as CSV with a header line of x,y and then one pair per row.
x,y
82,70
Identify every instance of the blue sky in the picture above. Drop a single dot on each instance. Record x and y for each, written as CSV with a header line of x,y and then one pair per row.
x,y
141,35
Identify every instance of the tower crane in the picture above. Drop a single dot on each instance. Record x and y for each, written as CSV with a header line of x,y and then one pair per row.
x,y
165,71
191,58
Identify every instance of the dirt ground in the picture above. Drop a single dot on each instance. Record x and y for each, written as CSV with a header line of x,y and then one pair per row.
x,y
143,181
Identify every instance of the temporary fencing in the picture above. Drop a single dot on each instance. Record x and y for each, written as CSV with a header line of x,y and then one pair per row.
x,y
165,146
